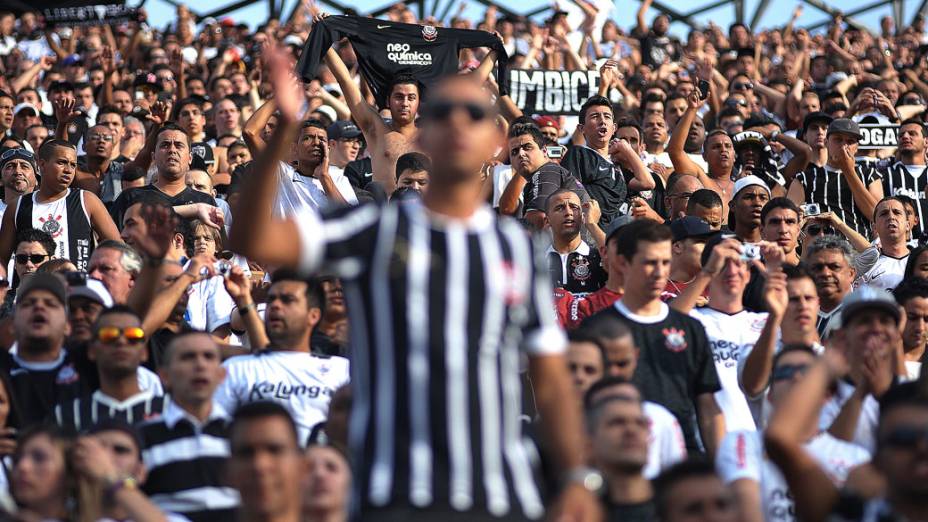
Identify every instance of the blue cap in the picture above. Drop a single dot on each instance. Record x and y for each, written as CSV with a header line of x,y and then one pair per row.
x,y
343,129
690,226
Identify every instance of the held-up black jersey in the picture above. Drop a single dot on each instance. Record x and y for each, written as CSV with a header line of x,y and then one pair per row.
x,y
385,49
547,180
600,178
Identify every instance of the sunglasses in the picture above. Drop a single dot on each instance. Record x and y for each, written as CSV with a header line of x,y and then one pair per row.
x,y
742,86
733,102
905,437
16,152
35,259
788,371
441,110
112,334
816,229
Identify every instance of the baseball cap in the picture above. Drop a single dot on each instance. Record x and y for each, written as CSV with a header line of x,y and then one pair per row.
x,y
689,226
227,22
811,118
343,129
749,181
620,221
745,138
760,120
23,154
51,283
868,298
845,126
329,112
201,155
94,290
25,106
871,118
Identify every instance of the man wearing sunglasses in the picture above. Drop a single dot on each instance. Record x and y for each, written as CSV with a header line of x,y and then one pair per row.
x,y
758,484
118,350
900,457
402,251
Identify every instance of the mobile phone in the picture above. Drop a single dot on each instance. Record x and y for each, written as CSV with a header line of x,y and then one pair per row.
x,y
703,87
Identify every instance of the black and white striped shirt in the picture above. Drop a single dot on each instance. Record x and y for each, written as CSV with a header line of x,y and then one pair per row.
x,y
827,187
900,179
185,460
439,309
84,412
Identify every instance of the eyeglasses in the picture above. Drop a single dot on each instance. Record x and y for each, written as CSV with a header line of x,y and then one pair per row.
x,y
16,152
112,334
101,137
816,229
441,110
742,86
905,437
788,371
35,259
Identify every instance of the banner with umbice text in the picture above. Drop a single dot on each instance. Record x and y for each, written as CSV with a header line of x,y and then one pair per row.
x,y
77,12
537,91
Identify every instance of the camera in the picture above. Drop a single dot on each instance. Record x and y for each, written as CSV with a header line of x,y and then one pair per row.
x,y
78,278
811,209
750,252
555,151
224,267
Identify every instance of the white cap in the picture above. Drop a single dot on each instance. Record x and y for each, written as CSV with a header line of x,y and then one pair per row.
x,y
328,111
292,39
25,105
93,290
749,181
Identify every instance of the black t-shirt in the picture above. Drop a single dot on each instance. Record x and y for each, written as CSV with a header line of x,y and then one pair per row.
x,y
643,512
360,172
322,344
386,49
547,180
584,272
128,197
38,387
675,362
655,50
602,181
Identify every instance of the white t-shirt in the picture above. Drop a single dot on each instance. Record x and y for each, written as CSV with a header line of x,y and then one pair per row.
x,y
885,274
342,183
741,456
302,382
295,195
731,337
865,435
666,445
502,175
209,306
912,370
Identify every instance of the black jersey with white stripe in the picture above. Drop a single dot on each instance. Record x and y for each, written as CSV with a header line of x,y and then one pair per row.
x,y
439,310
911,181
84,412
827,187
185,461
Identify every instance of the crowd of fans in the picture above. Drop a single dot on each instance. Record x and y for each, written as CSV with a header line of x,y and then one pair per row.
x,y
743,286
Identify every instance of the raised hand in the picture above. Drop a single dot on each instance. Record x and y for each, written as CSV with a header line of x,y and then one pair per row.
x,y
64,109
91,460
158,113
237,284
177,61
108,60
609,72
775,295
153,236
46,62
693,101
591,211
210,215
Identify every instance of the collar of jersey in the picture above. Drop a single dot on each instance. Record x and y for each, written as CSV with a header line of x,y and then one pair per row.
x,y
116,404
583,249
644,319
37,366
174,413
482,218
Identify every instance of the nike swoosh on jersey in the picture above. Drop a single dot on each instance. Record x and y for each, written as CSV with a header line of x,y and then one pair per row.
x,y
383,26
604,168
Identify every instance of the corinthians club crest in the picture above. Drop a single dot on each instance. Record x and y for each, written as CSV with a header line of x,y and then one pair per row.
x,y
429,33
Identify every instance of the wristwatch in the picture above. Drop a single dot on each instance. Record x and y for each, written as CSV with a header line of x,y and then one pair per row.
x,y
590,479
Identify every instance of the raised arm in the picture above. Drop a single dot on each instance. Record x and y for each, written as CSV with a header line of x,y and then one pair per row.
x,y
755,374
802,155
157,116
255,234
642,27
364,114
238,285
100,219
251,133
681,161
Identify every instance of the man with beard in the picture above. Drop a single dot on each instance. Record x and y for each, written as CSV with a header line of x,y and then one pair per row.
x,y
74,218
18,170
117,349
831,261
883,265
537,179
908,175
850,190
294,308
590,163
718,152
572,263
780,224
172,161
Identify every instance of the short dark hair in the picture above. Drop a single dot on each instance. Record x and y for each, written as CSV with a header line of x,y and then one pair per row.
x,y
120,309
900,199
794,272
912,394
34,235
582,335
716,132
314,122
912,262
622,123
414,161
606,382
630,235
258,410
527,129
594,101
109,109
556,193
915,121
775,203
4,94
910,288
706,198
790,348
171,126
46,150
405,79
692,468
178,339
315,296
